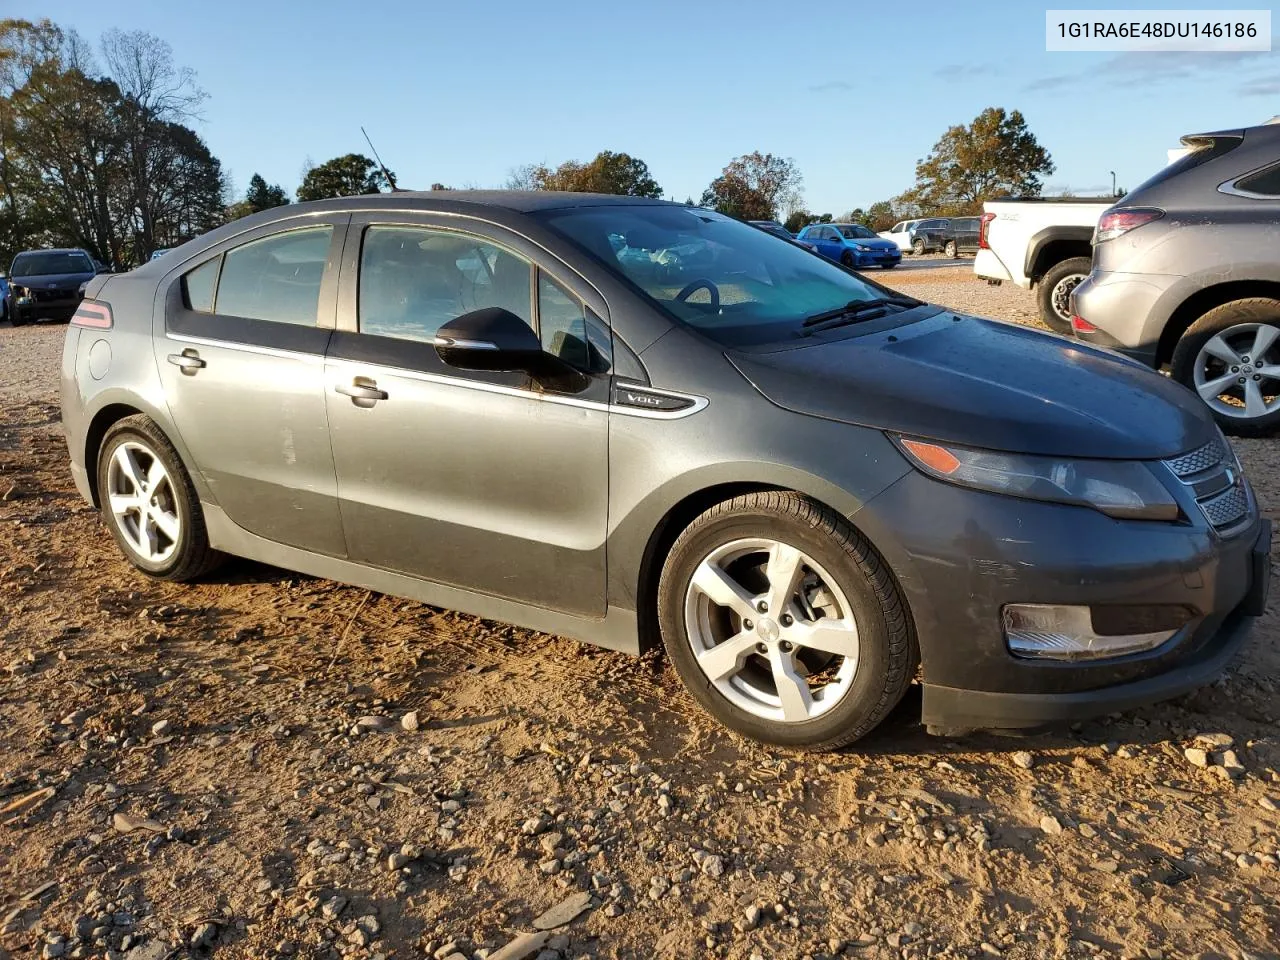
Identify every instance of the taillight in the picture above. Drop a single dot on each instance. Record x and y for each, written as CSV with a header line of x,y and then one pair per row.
x,y
1080,325
983,222
92,313
1119,222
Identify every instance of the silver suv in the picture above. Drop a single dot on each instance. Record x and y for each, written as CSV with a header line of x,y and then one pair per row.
x,y
1186,274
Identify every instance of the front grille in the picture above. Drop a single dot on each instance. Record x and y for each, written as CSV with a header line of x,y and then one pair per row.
x,y
1227,509
1198,460
1215,479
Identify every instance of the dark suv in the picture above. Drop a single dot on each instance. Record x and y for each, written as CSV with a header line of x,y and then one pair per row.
x,y
961,236
47,284
1186,274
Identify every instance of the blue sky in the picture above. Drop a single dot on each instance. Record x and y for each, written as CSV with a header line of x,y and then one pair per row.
x,y
462,92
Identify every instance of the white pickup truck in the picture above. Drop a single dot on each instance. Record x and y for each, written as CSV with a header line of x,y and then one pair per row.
x,y
1040,241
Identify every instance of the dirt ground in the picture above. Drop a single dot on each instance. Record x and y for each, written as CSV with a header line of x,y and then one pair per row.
x,y
265,765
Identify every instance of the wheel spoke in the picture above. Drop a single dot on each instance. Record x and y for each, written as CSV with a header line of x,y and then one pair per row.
x,y
1262,341
829,636
155,476
722,589
129,468
1255,405
793,689
783,570
1213,388
1217,347
725,659
166,523
122,503
150,543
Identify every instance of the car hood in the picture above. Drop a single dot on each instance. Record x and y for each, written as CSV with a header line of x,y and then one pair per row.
x,y
54,281
876,243
985,384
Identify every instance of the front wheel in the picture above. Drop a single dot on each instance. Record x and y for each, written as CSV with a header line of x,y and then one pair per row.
x,y
784,623
149,503
1055,292
846,258
889,266
1231,358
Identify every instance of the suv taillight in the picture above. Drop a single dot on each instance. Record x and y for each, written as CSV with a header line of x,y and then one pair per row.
x,y
1119,222
92,313
984,222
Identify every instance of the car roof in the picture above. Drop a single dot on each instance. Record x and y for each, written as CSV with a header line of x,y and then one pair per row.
x,y
54,250
518,201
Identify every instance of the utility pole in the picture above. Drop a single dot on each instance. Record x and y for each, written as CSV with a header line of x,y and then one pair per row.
x,y
1113,183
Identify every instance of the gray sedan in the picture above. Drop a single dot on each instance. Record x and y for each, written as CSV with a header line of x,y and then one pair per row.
x,y
641,423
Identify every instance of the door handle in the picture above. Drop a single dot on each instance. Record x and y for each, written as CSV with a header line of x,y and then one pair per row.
x,y
188,361
362,388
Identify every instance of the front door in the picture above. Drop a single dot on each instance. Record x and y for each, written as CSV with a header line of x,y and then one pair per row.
x,y
240,348
486,481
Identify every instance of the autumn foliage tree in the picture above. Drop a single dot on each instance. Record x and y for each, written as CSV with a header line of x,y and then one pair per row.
x,y
994,156
351,175
608,172
755,186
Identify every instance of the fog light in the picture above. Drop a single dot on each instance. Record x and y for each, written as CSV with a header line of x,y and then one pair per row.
x,y
1051,632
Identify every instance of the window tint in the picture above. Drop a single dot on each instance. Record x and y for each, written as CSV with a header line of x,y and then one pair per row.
x,y
1202,150
413,280
276,278
566,330
198,286
1264,182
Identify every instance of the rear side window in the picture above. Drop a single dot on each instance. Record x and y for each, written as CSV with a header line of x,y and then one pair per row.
x,y
198,286
413,280
1265,183
276,278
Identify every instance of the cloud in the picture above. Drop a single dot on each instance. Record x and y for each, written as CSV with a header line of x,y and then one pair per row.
x,y
965,71
831,85
1261,87
1158,66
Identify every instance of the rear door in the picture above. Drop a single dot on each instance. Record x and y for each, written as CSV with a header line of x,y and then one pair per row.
x,y
483,480
240,344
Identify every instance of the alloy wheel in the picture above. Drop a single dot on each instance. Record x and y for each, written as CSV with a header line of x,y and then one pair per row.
x,y
1236,371
142,502
1061,295
771,630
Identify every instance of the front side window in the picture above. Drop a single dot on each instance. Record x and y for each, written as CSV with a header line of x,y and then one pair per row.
x,y
413,280
897,228
276,278
714,273
568,332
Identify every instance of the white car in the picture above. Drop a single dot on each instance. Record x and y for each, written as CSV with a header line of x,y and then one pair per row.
x,y
900,233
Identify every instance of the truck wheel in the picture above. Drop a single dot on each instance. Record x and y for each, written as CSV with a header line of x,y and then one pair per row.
x,y
917,247
784,623
1231,358
1055,292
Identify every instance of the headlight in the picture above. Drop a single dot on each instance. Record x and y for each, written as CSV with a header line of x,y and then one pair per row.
x,y
859,247
1125,489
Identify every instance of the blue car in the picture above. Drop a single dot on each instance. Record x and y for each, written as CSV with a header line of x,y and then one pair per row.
x,y
851,244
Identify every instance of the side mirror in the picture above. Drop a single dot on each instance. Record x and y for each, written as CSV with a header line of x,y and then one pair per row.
x,y
489,339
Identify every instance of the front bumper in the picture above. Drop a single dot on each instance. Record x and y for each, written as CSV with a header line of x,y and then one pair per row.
x,y
46,309
877,258
960,555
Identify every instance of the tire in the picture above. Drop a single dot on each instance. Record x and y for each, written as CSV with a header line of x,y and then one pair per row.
x,y
888,266
847,259
917,247
882,634
951,250
180,558
17,319
1237,324
1060,274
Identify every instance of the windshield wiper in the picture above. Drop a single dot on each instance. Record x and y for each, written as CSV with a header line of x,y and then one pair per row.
x,y
853,310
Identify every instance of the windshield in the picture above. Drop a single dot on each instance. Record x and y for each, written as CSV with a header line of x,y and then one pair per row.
x,y
50,264
856,231
729,280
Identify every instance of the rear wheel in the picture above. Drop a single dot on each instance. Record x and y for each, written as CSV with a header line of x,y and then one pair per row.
x,y
951,250
149,504
1231,358
917,247
1055,291
784,623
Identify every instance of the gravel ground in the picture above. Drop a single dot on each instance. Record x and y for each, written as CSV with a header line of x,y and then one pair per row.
x,y
268,765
